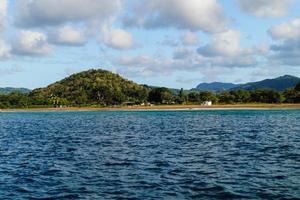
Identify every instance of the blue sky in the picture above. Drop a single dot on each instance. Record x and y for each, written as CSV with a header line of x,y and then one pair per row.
x,y
172,43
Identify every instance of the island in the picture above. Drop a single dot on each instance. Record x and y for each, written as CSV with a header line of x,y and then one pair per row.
x,y
98,89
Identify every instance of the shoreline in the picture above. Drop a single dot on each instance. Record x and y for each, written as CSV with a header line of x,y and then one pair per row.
x,y
162,108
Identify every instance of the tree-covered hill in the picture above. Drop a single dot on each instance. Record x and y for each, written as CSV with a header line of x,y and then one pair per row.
x,y
91,87
7,90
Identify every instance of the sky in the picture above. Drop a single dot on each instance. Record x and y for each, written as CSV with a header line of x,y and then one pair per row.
x,y
170,43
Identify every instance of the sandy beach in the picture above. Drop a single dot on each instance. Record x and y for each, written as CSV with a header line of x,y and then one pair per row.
x,y
163,107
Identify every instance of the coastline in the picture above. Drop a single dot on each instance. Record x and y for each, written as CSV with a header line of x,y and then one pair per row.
x,y
162,108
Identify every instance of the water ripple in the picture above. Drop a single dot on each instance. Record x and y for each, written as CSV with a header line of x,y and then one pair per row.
x,y
150,155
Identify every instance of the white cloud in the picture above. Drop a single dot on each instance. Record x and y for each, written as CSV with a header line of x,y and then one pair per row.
x,y
34,13
205,15
286,49
4,50
287,30
143,65
3,13
31,43
94,17
118,39
225,50
68,35
265,8
223,44
189,38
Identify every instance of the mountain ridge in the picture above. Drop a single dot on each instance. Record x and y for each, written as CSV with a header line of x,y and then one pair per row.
x,y
280,83
216,86
7,90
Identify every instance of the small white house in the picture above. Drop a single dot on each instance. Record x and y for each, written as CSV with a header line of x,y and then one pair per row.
x,y
206,103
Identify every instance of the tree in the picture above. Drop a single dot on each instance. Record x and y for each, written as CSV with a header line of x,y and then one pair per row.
x,y
14,100
226,97
291,96
182,97
265,96
194,97
207,96
297,88
160,95
240,96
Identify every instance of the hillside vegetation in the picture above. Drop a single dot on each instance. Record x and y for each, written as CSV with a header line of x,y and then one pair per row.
x,y
8,90
103,88
91,87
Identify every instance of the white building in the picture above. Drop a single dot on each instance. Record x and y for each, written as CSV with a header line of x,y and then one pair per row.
x,y
206,103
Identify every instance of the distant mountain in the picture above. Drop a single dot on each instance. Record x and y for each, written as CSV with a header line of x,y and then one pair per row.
x,y
216,86
280,84
8,90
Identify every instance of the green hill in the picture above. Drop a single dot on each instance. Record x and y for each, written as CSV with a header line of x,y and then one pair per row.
x,y
91,87
8,90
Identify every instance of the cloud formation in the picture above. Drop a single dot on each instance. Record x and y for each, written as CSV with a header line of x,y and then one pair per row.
x,y
31,43
118,39
92,19
37,13
287,30
3,14
204,15
265,8
222,44
286,50
225,50
172,35
143,65
68,36
286,53
4,50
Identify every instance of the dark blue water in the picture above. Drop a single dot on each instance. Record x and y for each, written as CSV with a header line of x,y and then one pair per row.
x,y
150,155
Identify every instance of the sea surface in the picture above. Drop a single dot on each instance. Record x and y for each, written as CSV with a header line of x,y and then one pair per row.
x,y
242,154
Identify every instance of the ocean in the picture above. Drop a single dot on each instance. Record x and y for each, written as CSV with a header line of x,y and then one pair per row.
x,y
232,154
